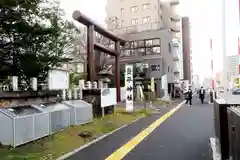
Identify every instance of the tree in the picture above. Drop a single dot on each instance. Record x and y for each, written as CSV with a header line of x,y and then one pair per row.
x,y
34,38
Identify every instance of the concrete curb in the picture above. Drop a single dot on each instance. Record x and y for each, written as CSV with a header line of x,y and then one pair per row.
x,y
215,153
102,137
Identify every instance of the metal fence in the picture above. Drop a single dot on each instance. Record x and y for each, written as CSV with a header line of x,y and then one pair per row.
x,y
221,127
234,132
18,130
222,123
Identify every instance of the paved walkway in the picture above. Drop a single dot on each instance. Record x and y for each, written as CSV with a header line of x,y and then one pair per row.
x,y
183,136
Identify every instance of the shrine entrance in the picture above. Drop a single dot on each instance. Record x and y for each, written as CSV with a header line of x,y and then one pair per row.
x,y
92,27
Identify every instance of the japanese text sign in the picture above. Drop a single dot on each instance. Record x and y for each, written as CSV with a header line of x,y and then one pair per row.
x,y
129,87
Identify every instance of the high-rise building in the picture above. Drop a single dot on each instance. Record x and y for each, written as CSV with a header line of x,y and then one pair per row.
x,y
186,42
149,26
195,82
138,15
232,67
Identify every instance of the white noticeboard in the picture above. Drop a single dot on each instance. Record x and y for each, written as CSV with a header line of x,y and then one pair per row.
x,y
108,97
58,79
129,87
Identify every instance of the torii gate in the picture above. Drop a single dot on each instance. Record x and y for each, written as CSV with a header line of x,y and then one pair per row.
x,y
91,45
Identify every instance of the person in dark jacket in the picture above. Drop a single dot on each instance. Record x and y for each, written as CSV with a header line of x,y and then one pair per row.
x,y
189,97
202,94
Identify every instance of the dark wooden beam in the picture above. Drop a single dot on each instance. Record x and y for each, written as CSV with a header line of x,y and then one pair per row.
x,y
104,49
117,71
78,16
90,54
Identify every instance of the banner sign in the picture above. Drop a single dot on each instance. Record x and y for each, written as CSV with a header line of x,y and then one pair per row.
x,y
129,87
108,97
152,84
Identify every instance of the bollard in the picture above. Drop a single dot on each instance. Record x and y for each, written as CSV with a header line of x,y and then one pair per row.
x,y
211,97
94,85
34,83
75,93
69,94
64,95
15,83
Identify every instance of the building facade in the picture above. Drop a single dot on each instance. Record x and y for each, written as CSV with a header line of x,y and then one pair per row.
x,y
146,24
187,57
232,67
195,82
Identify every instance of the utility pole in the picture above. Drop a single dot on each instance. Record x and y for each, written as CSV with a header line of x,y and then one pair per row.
x,y
225,83
212,73
239,38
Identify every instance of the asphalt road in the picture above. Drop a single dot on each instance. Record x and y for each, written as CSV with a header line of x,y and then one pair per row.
x,y
184,136
103,148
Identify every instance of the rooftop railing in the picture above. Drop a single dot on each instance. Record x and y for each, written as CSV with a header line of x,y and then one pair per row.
x,y
140,28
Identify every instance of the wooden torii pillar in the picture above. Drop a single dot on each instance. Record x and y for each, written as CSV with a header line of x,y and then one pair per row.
x,y
91,45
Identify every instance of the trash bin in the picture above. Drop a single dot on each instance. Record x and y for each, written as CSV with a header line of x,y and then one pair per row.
x,y
22,124
81,111
59,115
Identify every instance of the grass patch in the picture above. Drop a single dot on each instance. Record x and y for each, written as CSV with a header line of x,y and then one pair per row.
x,y
54,146
161,102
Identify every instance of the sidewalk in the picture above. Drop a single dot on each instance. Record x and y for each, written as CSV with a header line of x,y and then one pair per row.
x,y
103,148
141,105
184,136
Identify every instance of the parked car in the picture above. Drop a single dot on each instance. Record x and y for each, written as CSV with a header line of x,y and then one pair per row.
x,y
236,91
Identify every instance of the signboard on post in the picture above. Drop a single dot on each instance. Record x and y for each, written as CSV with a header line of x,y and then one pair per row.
x,y
58,79
152,84
108,97
129,87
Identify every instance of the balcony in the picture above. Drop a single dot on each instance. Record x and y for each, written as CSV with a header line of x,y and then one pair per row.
x,y
139,28
176,68
174,2
176,35
175,27
175,18
175,55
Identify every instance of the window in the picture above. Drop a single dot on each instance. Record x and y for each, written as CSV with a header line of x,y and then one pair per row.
x,y
155,67
134,21
169,48
156,50
122,23
127,53
149,43
156,42
122,10
134,8
145,20
146,6
168,69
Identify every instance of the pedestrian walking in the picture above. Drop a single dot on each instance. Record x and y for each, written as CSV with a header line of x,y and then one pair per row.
x,y
189,97
202,94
